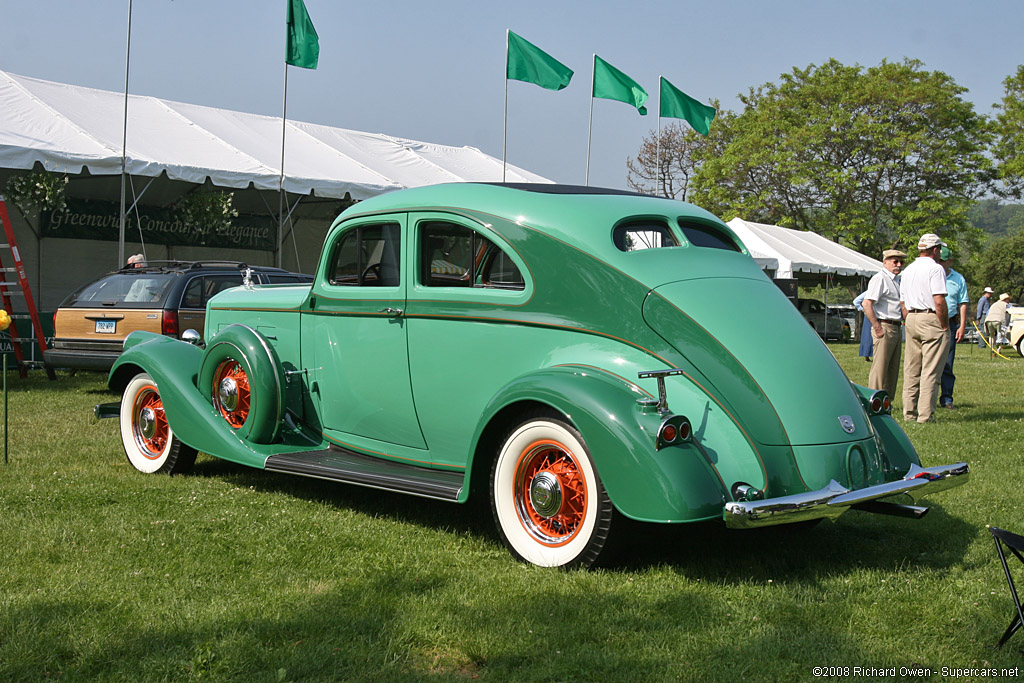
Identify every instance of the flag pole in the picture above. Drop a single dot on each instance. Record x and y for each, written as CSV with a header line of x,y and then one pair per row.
x,y
504,122
124,140
657,154
590,126
280,186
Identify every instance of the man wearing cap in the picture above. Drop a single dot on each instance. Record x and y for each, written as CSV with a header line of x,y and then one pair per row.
x,y
956,307
923,298
883,315
994,322
984,303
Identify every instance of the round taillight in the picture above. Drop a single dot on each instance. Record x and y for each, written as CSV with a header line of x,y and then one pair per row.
x,y
886,405
684,430
669,433
876,404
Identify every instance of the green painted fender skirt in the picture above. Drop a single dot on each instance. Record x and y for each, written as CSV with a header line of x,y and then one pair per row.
x,y
675,484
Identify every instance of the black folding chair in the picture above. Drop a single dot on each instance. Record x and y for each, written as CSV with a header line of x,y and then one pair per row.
x,y
1015,544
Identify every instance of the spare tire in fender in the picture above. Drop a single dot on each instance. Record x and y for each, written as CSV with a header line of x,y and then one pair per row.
x,y
241,375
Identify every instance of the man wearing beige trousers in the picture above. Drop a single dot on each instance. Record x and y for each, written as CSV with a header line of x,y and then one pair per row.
x,y
923,298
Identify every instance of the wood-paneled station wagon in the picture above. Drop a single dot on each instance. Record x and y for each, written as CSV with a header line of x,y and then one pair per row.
x,y
569,353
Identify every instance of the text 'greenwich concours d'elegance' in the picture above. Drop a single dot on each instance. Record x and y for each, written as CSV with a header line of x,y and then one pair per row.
x,y
551,349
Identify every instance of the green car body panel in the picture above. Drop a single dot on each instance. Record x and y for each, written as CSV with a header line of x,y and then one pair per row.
x,y
432,376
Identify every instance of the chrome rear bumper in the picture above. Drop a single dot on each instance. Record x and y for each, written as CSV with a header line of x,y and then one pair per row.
x,y
835,499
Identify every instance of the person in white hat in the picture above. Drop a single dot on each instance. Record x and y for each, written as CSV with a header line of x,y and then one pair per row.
x,y
984,303
923,299
994,322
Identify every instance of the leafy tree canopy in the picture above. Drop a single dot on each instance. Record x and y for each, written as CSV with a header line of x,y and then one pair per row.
x,y
1008,148
1001,267
871,157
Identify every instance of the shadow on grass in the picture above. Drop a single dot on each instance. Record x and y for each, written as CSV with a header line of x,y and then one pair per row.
x,y
705,550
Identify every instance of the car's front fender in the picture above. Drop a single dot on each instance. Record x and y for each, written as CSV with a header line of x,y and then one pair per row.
x,y
174,366
674,484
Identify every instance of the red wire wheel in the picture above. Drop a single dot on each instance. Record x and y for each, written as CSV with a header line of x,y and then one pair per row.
x,y
547,498
149,423
550,492
146,434
231,392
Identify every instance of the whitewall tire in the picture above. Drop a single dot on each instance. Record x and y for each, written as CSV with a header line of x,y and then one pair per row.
x,y
548,501
146,435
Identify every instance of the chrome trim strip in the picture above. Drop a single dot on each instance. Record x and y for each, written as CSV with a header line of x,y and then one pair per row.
x,y
835,499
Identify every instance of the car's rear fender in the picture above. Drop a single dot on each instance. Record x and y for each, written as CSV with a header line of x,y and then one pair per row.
x,y
174,366
674,484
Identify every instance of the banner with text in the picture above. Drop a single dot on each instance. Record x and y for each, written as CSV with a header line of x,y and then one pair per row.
x,y
94,220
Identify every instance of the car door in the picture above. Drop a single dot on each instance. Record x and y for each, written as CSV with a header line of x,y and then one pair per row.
x,y
356,334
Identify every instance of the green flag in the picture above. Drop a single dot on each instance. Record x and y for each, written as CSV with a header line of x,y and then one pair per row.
x,y
612,84
526,62
303,43
676,104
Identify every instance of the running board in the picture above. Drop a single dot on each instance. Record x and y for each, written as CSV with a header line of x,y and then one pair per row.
x,y
339,464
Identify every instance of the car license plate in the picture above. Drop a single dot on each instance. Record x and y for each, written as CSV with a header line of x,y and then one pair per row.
x,y
106,326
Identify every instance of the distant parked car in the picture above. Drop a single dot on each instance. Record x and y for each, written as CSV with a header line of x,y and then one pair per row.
x,y
1016,333
827,325
165,297
848,314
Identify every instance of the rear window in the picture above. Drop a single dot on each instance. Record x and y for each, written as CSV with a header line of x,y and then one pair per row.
x,y
700,235
643,235
128,290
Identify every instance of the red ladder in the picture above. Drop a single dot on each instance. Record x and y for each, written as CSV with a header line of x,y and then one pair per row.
x,y
25,291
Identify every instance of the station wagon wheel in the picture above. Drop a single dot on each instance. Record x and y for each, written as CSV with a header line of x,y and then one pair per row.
x,y
546,496
146,435
231,392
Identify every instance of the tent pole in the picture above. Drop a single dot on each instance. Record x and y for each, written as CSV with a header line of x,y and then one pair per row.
x,y
124,139
280,201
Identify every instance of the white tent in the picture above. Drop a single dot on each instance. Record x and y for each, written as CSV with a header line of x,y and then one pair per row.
x,y
67,128
798,251
173,148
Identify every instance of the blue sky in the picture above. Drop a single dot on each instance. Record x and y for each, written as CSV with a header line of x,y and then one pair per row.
x,y
434,71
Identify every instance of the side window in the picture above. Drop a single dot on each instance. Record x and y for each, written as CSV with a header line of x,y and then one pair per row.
x,y
368,256
193,294
643,235
201,289
455,256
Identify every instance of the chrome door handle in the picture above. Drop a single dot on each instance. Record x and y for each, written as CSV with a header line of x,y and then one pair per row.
x,y
393,312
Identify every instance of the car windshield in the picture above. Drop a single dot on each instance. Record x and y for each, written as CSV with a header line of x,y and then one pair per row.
x,y
131,290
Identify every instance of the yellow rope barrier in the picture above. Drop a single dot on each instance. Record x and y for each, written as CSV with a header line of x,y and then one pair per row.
x,y
986,341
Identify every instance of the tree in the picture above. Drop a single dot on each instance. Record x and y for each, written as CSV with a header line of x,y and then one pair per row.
x,y
870,157
1001,266
1009,129
667,169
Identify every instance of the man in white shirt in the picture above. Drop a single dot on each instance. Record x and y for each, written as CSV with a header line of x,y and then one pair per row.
x,y
883,313
923,297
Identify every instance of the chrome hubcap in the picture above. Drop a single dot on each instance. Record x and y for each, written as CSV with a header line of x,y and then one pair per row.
x,y
147,423
546,494
227,392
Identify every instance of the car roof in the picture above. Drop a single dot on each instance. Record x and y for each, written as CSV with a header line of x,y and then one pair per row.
x,y
576,214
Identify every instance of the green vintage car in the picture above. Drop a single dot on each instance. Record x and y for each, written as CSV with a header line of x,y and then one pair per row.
x,y
570,354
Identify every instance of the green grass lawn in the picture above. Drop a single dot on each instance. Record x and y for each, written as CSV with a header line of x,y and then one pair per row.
x,y
235,574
